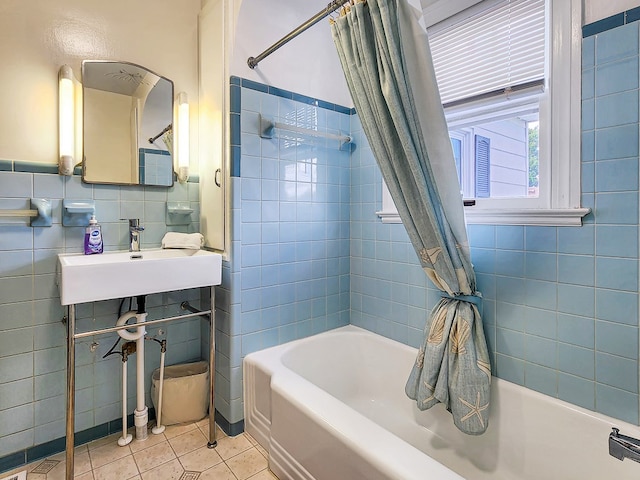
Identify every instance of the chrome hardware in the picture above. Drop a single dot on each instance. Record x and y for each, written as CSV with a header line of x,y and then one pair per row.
x,y
334,5
72,336
622,446
134,234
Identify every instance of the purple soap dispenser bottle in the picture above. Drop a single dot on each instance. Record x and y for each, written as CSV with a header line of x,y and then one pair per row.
x,y
93,237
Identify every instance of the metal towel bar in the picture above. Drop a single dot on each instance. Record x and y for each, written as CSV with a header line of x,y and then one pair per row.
x,y
268,125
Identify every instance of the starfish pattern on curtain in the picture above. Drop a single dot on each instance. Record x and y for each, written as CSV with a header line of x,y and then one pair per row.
x,y
384,52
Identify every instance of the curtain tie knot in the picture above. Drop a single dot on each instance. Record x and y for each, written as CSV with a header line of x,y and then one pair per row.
x,y
476,299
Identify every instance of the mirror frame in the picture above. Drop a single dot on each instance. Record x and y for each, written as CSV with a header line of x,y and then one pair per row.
x,y
139,140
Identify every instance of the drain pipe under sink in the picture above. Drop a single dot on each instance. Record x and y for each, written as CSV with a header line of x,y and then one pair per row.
x,y
141,413
126,437
159,428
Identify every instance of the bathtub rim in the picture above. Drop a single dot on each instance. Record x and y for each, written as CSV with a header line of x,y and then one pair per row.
x,y
504,384
379,447
597,425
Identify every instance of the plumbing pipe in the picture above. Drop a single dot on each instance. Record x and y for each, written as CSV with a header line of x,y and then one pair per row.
x,y
159,428
127,334
126,437
72,336
141,414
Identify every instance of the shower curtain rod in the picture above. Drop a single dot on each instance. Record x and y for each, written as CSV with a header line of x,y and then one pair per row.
x,y
325,12
164,130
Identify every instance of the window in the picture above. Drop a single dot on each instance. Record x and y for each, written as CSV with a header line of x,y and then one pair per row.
x,y
498,159
456,146
512,105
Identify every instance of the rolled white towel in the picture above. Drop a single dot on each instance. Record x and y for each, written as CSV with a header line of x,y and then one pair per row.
x,y
192,241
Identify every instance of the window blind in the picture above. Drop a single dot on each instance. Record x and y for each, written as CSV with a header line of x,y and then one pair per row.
x,y
500,47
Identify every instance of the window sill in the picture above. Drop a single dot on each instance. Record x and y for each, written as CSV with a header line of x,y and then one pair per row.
x,y
546,217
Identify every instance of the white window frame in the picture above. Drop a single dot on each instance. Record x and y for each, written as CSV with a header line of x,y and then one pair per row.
x,y
560,130
468,174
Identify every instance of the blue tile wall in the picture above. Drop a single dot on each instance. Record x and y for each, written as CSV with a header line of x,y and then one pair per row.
x,y
308,254
155,167
288,274
32,337
560,303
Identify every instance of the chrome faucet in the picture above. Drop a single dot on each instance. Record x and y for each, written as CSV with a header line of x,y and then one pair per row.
x,y
134,234
622,446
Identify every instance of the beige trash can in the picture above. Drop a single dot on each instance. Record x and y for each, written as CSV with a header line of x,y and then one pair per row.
x,y
185,392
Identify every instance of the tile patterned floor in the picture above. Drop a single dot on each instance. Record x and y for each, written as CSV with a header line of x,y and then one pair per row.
x,y
180,453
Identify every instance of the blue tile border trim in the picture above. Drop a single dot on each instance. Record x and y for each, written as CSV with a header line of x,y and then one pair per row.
x,y
632,15
231,429
617,20
260,87
29,167
235,160
280,92
13,460
54,446
235,99
6,166
37,452
157,151
236,107
235,129
19,166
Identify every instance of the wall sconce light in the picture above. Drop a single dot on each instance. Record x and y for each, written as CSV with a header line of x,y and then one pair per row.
x,y
182,149
66,120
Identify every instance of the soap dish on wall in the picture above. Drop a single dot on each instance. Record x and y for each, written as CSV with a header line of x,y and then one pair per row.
x,y
179,213
77,213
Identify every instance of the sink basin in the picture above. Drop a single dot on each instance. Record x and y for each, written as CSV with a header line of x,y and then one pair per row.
x,y
89,278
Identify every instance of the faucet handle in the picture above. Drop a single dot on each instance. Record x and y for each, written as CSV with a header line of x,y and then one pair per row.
x,y
134,223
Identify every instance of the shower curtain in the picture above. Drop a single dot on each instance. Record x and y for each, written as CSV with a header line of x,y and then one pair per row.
x,y
386,60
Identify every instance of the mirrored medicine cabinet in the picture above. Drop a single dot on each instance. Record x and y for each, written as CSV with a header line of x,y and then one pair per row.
x,y
127,125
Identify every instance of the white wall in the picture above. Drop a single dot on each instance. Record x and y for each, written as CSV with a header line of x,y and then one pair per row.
x,y
38,36
307,64
595,10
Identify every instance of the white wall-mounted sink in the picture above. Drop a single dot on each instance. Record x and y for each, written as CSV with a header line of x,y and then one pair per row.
x,y
89,278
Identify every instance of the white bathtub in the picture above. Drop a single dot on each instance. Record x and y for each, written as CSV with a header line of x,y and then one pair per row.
x,y
332,406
